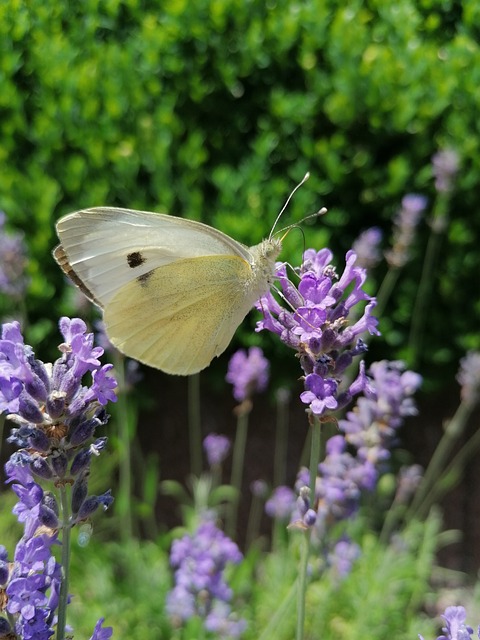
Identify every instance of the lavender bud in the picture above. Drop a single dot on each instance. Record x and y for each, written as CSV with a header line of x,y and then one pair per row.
x,y
69,384
36,388
50,501
310,518
83,431
47,517
4,571
5,629
39,369
91,504
59,463
81,462
28,409
55,404
39,441
79,493
41,468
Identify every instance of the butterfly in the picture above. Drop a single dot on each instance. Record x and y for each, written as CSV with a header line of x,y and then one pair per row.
x,y
172,291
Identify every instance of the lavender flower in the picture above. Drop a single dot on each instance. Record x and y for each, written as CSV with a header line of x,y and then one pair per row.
x,y
34,578
408,480
316,325
366,246
216,448
445,165
12,261
32,581
469,377
371,426
200,588
342,557
356,456
248,372
455,627
259,489
406,222
56,418
281,503
55,414
100,632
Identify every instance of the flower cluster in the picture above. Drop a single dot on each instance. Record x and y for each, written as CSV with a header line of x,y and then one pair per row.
x,y
281,503
367,248
56,415
248,372
316,325
406,222
200,588
216,448
56,418
32,582
12,261
355,456
469,377
372,425
455,627
445,165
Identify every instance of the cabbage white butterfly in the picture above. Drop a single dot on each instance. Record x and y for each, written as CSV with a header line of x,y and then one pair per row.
x,y
173,291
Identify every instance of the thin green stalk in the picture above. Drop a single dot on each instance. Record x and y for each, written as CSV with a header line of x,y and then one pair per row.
x,y
454,470
422,301
194,424
237,469
423,500
124,499
254,519
302,585
315,452
280,459
65,561
386,290
282,612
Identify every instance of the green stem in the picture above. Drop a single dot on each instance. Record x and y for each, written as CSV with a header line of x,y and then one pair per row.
x,y
315,452
194,425
425,286
254,519
124,504
302,585
386,289
423,497
65,561
281,614
280,460
237,469
454,470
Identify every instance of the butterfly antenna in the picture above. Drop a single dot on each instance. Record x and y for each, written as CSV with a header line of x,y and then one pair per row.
x,y
295,225
305,178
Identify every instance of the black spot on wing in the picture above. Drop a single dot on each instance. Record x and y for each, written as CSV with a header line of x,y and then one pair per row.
x,y
135,259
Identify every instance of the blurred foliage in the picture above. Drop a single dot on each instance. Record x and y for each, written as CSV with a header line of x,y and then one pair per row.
x,y
127,583
214,110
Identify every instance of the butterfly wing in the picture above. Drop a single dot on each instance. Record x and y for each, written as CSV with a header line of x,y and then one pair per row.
x,y
173,291
104,248
179,316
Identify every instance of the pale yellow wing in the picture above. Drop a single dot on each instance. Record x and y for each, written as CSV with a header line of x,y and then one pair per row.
x,y
178,317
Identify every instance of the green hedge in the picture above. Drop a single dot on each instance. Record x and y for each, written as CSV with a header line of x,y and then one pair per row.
x,y
215,109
